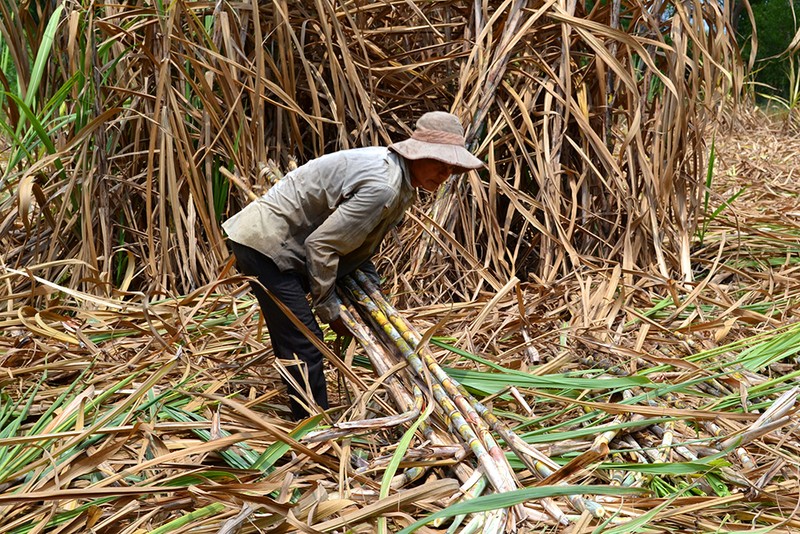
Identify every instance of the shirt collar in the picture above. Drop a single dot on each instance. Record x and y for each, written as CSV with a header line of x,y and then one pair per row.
x,y
404,168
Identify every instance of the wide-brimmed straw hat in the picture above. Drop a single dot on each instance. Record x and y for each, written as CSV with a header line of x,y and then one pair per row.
x,y
440,136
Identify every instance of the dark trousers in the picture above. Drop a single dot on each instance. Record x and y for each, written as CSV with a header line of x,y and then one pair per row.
x,y
287,340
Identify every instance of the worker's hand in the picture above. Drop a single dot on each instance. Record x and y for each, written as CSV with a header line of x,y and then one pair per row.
x,y
369,270
338,326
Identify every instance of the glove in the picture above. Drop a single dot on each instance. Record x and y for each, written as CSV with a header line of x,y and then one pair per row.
x,y
338,326
369,270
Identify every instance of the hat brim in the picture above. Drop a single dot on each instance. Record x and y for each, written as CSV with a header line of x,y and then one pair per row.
x,y
454,155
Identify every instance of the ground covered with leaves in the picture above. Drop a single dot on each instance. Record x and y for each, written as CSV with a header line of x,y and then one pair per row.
x,y
653,404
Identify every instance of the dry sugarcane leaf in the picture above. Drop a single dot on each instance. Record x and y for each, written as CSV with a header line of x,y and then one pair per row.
x,y
429,492
655,411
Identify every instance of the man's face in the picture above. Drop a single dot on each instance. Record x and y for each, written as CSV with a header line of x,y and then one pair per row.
x,y
429,174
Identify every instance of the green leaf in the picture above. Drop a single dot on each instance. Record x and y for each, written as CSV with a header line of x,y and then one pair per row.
x,y
176,524
42,57
397,457
492,383
495,501
276,451
23,151
541,437
37,126
677,468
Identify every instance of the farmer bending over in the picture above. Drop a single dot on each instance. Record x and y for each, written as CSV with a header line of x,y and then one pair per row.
x,y
323,221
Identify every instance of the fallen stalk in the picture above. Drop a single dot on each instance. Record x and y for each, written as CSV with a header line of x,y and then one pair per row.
x,y
349,428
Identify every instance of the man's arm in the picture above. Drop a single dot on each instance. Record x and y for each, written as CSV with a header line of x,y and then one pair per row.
x,y
341,233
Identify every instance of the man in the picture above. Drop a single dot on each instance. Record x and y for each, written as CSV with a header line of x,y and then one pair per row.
x,y
324,220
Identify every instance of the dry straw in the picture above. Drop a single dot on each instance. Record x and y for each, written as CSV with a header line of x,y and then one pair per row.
x,y
659,291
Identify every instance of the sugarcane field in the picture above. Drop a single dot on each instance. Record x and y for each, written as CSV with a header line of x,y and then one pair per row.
x,y
384,266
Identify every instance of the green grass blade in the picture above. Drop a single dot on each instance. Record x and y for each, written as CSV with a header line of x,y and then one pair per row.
x,y
42,57
176,524
37,126
495,501
397,457
276,451
492,383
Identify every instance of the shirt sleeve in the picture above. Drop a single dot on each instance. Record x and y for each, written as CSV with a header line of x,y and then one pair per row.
x,y
341,233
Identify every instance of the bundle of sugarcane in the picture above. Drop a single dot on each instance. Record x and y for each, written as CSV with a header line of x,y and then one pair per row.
x,y
490,457
471,421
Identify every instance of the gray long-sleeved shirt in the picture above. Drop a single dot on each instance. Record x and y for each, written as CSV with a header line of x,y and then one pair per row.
x,y
327,217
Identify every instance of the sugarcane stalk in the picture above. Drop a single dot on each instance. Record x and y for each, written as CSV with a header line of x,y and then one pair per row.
x,y
774,417
533,459
713,388
388,421
780,407
634,479
648,452
634,450
485,460
382,364
667,438
404,337
602,441
474,408
611,521
458,412
605,438
617,475
752,434
744,457
469,490
473,524
535,515
497,522
349,428
716,431
426,453
620,477
689,455
683,450
406,477
489,522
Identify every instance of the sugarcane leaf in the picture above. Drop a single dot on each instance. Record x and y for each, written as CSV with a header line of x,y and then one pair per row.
x,y
675,468
492,383
397,457
496,501
37,126
430,332
276,451
176,524
635,524
43,55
